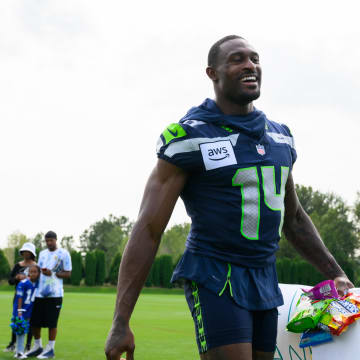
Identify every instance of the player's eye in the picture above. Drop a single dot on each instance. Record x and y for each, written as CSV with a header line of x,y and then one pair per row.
x,y
236,58
255,59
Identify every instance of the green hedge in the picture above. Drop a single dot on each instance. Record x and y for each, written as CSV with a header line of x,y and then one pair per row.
x,y
4,266
76,273
100,267
90,269
114,269
166,268
296,271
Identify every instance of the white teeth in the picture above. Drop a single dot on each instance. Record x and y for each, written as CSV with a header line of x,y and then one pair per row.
x,y
249,78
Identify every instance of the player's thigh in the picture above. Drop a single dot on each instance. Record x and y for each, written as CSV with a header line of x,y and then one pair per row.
x,y
264,334
262,355
222,327
240,351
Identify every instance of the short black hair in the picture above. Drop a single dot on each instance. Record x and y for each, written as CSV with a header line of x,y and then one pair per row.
x,y
214,50
36,266
50,235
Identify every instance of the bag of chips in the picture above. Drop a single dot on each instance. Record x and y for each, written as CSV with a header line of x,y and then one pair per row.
x,y
338,316
322,291
314,337
307,314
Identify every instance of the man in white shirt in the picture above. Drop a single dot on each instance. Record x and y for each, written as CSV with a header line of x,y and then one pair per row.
x,y
55,265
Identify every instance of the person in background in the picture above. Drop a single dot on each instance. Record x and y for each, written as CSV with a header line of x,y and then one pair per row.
x,y
18,273
55,265
23,304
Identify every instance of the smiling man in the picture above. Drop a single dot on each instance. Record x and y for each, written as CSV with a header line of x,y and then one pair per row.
x,y
232,168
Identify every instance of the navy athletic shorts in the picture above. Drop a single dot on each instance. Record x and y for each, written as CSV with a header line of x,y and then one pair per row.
x,y
220,321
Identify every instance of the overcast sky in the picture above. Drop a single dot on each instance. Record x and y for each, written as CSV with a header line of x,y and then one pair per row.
x,y
87,87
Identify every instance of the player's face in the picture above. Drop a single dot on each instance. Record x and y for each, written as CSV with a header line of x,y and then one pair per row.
x,y
33,273
239,72
51,244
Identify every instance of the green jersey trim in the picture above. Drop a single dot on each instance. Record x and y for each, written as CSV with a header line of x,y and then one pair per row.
x,y
173,131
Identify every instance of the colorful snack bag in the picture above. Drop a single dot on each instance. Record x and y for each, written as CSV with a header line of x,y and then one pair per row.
x,y
339,315
314,337
307,314
322,291
354,299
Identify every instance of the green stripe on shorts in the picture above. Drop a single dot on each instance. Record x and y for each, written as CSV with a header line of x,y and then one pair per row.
x,y
199,319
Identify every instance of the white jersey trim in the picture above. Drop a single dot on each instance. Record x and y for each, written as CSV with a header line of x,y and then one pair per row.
x,y
190,145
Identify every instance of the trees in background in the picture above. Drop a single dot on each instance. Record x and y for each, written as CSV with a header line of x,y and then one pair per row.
x,y
100,267
103,243
17,256
39,242
106,235
338,225
173,241
77,268
90,268
4,266
114,269
68,243
166,269
17,239
160,272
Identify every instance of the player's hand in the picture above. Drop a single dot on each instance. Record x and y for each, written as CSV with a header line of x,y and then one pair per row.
x,y
120,340
46,271
20,277
343,284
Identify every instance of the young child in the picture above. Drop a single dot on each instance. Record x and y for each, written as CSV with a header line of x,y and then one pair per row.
x,y
23,304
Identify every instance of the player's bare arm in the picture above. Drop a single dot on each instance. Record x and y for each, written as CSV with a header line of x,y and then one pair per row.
x,y
19,306
63,274
161,193
302,234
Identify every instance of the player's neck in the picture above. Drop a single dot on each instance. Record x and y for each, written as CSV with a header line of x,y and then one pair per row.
x,y
231,108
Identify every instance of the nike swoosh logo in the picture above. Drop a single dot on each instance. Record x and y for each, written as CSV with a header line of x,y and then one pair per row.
x,y
172,133
227,155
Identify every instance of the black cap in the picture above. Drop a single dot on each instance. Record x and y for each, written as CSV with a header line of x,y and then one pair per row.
x,y
50,235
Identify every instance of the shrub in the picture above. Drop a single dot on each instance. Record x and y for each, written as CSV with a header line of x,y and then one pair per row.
x,y
114,269
100,267
90,269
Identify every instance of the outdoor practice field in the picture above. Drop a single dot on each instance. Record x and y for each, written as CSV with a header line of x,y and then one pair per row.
x,y
161,322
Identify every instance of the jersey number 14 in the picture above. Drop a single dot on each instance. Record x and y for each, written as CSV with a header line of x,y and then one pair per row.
x,y
248,180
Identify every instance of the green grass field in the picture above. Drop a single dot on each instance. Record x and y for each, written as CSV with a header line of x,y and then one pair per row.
x,y
161,322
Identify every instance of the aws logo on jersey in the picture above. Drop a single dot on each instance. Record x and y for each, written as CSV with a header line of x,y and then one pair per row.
x,y
217,154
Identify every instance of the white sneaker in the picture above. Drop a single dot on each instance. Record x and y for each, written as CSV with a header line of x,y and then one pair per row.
x,y
34,351
20,356
48,353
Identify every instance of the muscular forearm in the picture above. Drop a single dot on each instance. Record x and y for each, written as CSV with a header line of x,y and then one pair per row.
x,y
134,269
302,234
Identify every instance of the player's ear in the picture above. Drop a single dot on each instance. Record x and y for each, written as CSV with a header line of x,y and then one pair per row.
x,y
212,73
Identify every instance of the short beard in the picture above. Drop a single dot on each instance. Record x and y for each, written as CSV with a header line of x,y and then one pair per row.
x,y
243,99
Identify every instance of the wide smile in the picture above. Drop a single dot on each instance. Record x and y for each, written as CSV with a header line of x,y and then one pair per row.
x,y
249,79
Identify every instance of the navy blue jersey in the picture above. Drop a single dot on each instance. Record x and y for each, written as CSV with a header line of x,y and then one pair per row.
x,y
235,191
25,290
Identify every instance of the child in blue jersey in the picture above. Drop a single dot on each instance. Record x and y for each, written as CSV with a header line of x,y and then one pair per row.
x,y
23,305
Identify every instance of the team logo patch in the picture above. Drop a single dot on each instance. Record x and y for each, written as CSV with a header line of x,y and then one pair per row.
x,y
217,154
260,149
